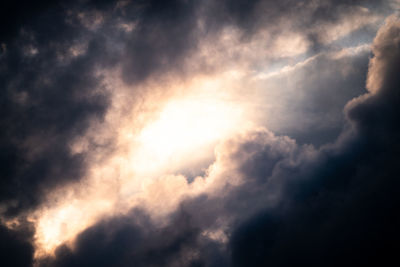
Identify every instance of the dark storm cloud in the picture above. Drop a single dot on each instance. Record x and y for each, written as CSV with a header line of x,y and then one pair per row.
x,y
12,15
44,105
166,31
15,246
303,16
344,210
133,240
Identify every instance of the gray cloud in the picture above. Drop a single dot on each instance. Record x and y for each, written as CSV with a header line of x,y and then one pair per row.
x,y
123,241
312,95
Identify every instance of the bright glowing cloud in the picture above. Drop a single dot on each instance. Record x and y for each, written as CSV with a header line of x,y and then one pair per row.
x,y
181,133
185,127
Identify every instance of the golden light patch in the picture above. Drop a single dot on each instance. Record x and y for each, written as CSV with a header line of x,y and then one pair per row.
x,y
183,127
153,146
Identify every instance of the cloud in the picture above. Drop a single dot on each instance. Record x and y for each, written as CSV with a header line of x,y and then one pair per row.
x,y
342,211
288,204
310,109
16,245
80,80
44,106
134,240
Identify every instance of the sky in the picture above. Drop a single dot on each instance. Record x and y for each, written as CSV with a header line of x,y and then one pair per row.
x,y
199,133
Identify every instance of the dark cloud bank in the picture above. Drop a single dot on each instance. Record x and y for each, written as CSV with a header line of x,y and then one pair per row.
x,y
337,207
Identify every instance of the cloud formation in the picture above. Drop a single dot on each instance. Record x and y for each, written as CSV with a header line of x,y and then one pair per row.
x,y
285,124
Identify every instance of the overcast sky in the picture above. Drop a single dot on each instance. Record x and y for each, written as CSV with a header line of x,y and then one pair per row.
x,y
199,133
